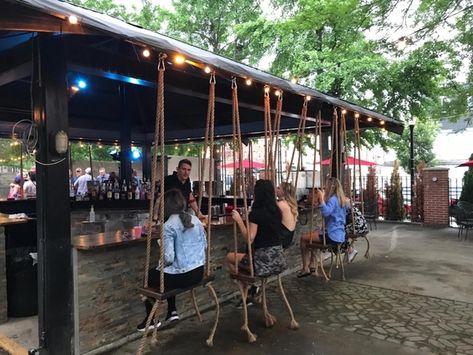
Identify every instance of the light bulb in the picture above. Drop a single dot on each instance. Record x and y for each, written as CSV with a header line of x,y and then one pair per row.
x,y
179,59
248,82
146,53
344,111
266,89
381,122
369,119
308,97
207,69
357,115
277,93
73,20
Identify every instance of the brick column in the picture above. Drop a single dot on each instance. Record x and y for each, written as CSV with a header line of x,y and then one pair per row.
x,y
436,196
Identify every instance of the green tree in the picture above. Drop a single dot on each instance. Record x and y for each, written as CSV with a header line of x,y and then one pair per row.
x,y
467,190
423,144
395,200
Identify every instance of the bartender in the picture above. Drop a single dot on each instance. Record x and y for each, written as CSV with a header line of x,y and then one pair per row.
x,y
180,180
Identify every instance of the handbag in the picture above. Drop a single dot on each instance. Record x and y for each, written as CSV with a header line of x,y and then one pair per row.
x,y
361,227
269,261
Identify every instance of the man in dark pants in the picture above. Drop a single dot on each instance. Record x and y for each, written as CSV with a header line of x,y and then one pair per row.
x,y
180,180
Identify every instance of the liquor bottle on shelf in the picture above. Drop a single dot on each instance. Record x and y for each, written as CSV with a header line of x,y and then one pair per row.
x,y
116,190
93,191
123,194
137,192
130,192
102,191
109,191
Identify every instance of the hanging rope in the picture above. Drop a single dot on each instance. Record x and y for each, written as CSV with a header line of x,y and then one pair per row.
x,y
211,127
275,136
267,135
159,125
299,140
238,144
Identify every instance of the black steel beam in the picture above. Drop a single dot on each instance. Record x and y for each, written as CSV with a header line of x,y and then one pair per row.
x,y
50,107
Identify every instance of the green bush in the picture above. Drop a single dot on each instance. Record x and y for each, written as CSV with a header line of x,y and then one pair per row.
x,y
395,201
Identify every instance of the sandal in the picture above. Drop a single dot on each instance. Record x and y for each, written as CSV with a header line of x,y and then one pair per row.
x,y
303,274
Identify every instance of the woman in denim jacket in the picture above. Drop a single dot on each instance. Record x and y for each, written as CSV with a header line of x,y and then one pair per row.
x,y
185,243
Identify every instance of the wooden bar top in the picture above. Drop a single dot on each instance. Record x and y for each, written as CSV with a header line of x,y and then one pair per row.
x,y
107,239
119,237
5,221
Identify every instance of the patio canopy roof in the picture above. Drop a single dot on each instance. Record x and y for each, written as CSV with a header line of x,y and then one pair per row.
x,y
106,53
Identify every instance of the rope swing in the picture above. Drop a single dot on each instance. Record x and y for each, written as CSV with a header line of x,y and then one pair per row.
x,y
159,147
244,280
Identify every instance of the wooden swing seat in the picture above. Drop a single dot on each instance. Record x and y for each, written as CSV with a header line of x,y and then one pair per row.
x,y
244,277
153,293
320,246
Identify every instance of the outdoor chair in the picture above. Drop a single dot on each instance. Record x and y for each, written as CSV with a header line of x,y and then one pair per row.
x,y
464,217
371,215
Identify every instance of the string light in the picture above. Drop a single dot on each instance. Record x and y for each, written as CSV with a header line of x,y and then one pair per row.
x,y
308,97
248,81
369,119
381,122
207,69
179,59
73,20
357,115
277,93
146,53
266,89
344,111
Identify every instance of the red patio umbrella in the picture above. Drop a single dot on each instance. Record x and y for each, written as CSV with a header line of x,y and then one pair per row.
x,y
247,164
467,163
350,161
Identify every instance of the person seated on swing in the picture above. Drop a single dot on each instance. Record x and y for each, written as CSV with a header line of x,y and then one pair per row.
x,y
180,180
333,205
287,203
265,225
185,244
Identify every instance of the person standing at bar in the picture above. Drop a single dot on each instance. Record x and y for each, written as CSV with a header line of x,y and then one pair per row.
x,y
102,176
81,183
29,187
180,180
77,176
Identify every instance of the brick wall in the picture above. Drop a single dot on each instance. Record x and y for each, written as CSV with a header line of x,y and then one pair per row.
x,y
436,196
3,278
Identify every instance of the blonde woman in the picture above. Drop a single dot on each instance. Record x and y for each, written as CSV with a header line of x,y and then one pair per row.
x,y
287,203
333,206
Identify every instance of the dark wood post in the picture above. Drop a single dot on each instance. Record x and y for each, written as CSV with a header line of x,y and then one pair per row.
x,y
125,134
50,107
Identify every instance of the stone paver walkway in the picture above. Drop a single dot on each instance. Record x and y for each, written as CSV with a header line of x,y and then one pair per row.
x,y
426,323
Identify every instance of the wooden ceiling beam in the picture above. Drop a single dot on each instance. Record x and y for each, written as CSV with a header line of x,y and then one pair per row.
x,y
22,19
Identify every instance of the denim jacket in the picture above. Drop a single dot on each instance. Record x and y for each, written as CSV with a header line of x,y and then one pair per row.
x,y
335,218
184,250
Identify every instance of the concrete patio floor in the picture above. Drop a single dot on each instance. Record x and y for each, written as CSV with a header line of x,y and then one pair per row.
x,y
413,296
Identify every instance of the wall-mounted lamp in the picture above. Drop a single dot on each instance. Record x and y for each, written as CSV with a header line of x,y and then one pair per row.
x,y
61,142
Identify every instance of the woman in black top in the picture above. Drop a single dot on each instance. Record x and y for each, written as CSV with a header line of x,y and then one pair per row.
x,y
265,222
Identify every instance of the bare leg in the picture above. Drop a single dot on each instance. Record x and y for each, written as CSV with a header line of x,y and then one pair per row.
x,y
230,261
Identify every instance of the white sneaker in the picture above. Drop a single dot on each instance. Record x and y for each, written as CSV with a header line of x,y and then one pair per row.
x,y
352,255
173,317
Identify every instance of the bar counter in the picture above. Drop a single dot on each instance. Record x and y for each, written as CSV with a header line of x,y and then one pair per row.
x,y
108,270
4,222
